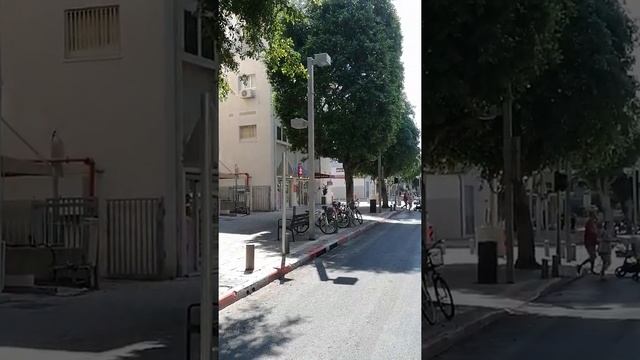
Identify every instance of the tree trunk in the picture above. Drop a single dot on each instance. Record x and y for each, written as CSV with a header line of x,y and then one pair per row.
x,y
385,196
605,198
348,180
525,235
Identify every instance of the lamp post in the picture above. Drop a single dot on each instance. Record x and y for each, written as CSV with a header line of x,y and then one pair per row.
x,y
320,60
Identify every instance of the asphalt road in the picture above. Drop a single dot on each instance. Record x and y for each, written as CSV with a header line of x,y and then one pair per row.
x,y
360,301
124,320
589,320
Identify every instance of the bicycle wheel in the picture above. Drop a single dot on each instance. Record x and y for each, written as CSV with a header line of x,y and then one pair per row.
x,y
620,273
358,216
343,220
428,308
444,298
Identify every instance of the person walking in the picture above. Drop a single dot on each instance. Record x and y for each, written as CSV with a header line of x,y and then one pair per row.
x,y
590,241
406,200
604,246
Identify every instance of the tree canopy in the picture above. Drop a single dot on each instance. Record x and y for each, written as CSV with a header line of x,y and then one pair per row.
x,y
359,99
578,102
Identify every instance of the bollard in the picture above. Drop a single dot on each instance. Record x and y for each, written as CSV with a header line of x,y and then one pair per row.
x,y
563,250
547,252
555,266
572,252
444,247
545,268
472,247
250,249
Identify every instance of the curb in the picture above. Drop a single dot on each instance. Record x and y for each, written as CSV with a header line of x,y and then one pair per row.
x,y
245,290
442,343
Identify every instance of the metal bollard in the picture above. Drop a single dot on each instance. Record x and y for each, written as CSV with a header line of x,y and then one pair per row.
x,y
472,247
545,269
555,266
250,256
572,252
547,251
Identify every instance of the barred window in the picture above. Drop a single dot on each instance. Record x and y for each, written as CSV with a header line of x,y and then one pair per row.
x,y
248,132
92,32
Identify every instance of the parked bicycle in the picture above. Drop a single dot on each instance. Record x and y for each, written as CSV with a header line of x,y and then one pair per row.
x,y
342,217
433,258
326,220
356,215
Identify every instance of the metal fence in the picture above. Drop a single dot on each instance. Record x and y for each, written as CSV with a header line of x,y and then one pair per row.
x,y
234,199
261,198
52,222
135,230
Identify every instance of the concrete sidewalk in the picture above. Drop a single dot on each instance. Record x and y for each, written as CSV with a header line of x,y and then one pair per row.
x,y
478,305
261,230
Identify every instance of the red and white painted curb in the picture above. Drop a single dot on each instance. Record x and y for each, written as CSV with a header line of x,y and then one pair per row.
x,y
245,290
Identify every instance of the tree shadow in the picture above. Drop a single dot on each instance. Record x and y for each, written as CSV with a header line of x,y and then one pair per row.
x,y
250,334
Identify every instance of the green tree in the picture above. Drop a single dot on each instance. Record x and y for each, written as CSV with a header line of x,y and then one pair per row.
x,y
580,107
402,158
359,102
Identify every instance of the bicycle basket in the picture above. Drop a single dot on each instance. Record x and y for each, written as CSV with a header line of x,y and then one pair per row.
x,y
435,257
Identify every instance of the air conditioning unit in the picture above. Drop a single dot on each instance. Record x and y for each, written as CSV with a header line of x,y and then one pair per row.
x,y
247,93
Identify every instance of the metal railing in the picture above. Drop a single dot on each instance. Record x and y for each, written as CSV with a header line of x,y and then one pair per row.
x,y
135,235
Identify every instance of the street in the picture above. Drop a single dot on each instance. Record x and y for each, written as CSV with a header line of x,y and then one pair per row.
x,y
141,320
360,301
590,319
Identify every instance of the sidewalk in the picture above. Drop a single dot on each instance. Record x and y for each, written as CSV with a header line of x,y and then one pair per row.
x,y
260,229
478,305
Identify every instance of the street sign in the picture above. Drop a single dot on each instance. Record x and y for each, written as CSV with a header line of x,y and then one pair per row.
x,y
299,123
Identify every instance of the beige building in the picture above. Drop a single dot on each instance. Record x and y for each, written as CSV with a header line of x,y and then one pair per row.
x,y
120,83
252,142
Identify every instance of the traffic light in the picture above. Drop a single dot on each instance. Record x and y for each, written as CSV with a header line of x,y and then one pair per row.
x,y
560,181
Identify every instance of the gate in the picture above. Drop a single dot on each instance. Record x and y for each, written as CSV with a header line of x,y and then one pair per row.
x,y
261,198
135,231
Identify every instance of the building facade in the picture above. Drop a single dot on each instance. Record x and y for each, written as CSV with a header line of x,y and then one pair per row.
x,y
120,83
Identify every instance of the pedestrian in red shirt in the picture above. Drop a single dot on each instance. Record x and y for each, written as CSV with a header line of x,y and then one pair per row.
x,y
590,241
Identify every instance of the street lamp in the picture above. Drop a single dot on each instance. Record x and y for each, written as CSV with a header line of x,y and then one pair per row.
x,y
320,60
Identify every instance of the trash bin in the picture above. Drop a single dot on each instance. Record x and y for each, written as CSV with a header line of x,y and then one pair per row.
x,y
372,206
487,256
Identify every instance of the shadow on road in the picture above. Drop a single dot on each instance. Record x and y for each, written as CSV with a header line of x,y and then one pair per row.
x,y
251,336
340,280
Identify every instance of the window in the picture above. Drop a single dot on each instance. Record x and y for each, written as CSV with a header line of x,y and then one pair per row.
x,y
197,41
248,132
280,136
92,32
246,81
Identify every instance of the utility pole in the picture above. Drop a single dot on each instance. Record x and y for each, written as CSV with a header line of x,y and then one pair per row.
x,y
507,127
312,150
380,179
206,301
558,205
567,214
634,179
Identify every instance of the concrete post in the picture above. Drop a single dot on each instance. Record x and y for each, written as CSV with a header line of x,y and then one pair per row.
x,y
250,256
